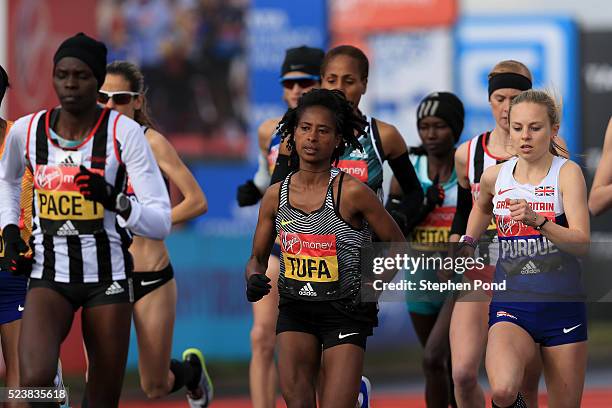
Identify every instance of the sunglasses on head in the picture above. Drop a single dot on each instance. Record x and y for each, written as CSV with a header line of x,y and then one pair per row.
x,y
119,98
301,81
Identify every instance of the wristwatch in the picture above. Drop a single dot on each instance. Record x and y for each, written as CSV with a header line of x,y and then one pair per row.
x,y
539,227
466,239
123,203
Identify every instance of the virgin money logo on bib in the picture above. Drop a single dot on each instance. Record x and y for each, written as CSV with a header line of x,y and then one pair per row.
x,y
309,257
48,177
356,168
507,227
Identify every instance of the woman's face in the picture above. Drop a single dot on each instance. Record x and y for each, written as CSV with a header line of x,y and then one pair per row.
x,y
500,105
296,84
315,135
75,85
342,73
531,131
437,137
118,83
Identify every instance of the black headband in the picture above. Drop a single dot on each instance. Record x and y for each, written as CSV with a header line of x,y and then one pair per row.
x,y
509,80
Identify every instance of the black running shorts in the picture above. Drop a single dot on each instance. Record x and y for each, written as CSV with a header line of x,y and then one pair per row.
x,y
147,282
324,321
89,294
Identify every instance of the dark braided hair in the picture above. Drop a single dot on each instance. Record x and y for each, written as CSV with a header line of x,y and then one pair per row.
x,y
349,124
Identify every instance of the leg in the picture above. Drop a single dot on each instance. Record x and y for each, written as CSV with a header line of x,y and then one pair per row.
x,y
531,379
436,360
342,366
468,337
299,359
262,370
9,334
106,332
46,320
564,370
154,316
509,350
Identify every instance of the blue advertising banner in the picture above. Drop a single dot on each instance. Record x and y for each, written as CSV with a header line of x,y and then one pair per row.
x,y
273,27
548,45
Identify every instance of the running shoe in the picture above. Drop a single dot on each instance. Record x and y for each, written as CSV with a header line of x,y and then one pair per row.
x,y
202,395
364,393
58,383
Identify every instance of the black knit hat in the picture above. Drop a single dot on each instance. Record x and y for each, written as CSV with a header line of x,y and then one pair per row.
x,y
88,50
304,59
443,105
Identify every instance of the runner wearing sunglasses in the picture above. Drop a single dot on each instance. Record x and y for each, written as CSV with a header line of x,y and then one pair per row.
x,y
155,292
118,98
346,68
299,74
82,221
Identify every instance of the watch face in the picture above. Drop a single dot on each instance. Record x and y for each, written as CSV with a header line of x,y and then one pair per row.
x,y
123,202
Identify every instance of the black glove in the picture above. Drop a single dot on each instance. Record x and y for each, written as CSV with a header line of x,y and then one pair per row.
x,y
14,246
248,194
94,187
257,287
397,211
434,196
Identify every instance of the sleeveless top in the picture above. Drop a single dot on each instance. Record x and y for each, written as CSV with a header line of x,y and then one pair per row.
x,y
320,252
528,261
367,166
479,159
433,231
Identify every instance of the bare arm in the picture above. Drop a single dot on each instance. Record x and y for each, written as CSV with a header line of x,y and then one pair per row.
x,y
600,198
482,211
194,202
265,233
575,238
463,207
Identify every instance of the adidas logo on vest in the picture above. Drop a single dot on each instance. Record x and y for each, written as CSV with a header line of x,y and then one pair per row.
x,y
67,229
530,268
307,290
114,289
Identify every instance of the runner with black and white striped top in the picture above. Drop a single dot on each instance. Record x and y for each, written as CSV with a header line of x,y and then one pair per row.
x,y
323,217
79,153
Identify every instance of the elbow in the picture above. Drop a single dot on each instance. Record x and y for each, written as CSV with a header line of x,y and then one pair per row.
x,y
594,207
202,206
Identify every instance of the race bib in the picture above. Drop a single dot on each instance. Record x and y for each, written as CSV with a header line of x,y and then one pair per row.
x,y
356,168
309,257
62,209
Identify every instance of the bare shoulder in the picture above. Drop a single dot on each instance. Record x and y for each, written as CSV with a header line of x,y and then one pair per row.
x,y
265,131
570,169
461,153
355,189
489,176
387,129
155,138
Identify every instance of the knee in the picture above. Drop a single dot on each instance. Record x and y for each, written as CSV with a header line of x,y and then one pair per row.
x,y
31,375
299,397
503,395
434,363
154,387
465,378
263,340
